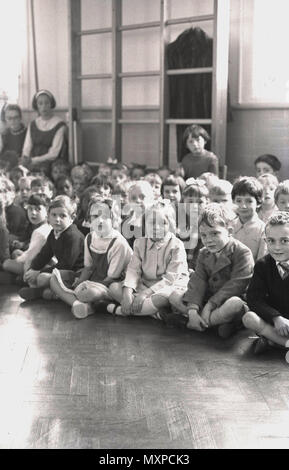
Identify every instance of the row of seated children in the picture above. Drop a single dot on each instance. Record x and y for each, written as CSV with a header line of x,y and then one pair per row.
x,y
159,262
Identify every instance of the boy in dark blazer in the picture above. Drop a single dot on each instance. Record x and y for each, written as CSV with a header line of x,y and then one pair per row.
x,y
268,291
223,271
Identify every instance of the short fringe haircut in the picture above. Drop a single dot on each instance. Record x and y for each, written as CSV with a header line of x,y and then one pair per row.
x,y
248,185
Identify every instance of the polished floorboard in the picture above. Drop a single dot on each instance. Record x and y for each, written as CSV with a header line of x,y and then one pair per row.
x,y
114,383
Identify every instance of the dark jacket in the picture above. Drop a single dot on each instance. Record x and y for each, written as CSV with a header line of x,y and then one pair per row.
x,y
68,249
268,293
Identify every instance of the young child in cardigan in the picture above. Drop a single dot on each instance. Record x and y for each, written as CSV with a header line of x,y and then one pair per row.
x,y
65,242
268,291
158,262
171,190
198,160
4,242
247,195
281,196
106,256
23,194
268,206
224,268
37,206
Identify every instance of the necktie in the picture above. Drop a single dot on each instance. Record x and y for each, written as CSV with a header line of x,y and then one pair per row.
x,y
284,269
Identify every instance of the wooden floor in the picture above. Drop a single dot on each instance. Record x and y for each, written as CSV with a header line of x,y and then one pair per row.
x,y
132,383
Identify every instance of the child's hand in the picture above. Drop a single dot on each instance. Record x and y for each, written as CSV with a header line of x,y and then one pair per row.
x,y
206,313
126,303
30,276
196,322
17,245
137,303
282,325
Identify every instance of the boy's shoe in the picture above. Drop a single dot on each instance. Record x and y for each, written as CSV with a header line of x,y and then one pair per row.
x,y
172,320
261,345
81,310
226,330
31,293
6,278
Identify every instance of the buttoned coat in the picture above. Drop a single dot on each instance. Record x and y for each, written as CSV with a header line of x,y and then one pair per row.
x,y
217,278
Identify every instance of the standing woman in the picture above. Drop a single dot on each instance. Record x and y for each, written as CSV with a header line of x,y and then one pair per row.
x,y
46,135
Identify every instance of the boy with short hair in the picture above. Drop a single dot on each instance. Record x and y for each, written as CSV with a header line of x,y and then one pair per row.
x,y
224,268
65,242
247,195
281,196
268,291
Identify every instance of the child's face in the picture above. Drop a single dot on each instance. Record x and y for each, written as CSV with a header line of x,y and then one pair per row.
x,y
104,171
224,199
137,173
214,238
277,238
172,193
37,214
57,171
262,168
198,201
100,219
13,120
42,190
103,191
44,106
283,202
156,189
24,189
66,188
117,177
196,145
59,218
268,198
246,206
157,226
139,197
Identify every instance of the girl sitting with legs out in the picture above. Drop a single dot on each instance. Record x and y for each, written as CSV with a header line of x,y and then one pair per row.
x,y
158,262
106,256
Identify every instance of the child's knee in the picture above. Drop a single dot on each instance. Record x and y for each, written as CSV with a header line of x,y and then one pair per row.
x,y
115,290
43,280
252,321
176,298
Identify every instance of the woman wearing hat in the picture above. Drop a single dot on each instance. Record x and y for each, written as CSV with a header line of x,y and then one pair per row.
x,y
46,135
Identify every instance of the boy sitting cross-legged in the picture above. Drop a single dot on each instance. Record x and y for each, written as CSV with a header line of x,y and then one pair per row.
x,y
65,242
224,268
268,291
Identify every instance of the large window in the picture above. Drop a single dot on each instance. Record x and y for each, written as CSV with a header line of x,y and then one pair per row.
x,y
12,46
264,63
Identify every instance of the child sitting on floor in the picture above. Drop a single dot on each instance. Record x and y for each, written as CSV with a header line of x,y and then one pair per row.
x,y
140,197
65,242
106,256
37,215
268,206
268,291
4,242
224,268
247,195
158,261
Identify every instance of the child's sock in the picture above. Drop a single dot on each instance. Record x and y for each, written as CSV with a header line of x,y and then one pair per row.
x,y
115,310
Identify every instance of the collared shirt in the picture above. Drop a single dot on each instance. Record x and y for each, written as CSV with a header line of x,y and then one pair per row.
x,y
156,264
252,234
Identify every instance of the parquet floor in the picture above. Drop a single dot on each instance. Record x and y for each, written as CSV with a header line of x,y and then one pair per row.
x,y
132,383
